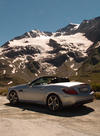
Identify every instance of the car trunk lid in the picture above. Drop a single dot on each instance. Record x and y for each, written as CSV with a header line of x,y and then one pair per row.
x,y
83,88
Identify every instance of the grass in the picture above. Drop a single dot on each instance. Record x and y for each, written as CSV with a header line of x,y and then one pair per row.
x,y
97,95
3,91
96,87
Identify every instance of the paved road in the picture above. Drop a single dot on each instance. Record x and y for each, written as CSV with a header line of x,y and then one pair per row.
x,y
33,120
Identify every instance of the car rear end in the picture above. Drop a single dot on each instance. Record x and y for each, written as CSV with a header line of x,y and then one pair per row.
x,y
77,94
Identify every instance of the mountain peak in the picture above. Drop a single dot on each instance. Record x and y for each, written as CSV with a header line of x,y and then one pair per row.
x,y
91,29
70,28
97,18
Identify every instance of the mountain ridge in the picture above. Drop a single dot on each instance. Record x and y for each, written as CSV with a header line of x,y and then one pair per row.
x,y
37,53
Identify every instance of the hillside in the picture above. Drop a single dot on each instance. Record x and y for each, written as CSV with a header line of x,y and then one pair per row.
x,y
90,69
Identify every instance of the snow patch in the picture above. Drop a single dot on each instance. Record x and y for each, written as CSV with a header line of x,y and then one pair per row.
x,y
21,58
76,27
36,74
72,66
98,45
11,65
75,69
2,58
76,42
10,82
38,43
76,73
4,72
62,52
1,50
49,68
71,59
39,72
14,70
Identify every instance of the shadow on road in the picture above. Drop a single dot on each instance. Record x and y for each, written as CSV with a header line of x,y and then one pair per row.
x,y
66,112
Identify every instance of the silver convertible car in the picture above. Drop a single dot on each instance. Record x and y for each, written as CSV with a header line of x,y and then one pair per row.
x,y
55,92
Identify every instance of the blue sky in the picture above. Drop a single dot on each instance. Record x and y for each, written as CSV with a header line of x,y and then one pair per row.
x,y
19,16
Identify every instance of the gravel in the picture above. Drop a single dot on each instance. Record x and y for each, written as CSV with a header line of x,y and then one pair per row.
x,y
36,120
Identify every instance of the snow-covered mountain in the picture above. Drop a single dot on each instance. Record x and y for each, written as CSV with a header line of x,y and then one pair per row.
x,y
37,53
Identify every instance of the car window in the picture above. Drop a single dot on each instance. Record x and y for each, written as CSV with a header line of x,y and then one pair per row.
x,y
40,81
37,82
48,80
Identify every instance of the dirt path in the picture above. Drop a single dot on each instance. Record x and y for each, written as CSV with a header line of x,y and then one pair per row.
x,y
33,120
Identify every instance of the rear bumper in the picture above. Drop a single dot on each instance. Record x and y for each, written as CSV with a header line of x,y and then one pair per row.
x,y
77,100
84,102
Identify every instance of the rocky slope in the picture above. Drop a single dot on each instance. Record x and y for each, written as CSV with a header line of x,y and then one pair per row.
x,y
38,53
90,69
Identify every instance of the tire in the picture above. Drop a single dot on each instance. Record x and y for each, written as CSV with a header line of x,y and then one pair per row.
x,y
13,97
53,102
80,105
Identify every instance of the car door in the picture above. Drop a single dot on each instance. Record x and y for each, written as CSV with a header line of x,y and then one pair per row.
x,y
34,92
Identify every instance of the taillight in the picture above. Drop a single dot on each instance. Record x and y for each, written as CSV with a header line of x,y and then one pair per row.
x,y
69,91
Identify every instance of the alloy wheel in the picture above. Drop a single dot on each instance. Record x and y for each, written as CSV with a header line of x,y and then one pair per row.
x,y
53,103
13,97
